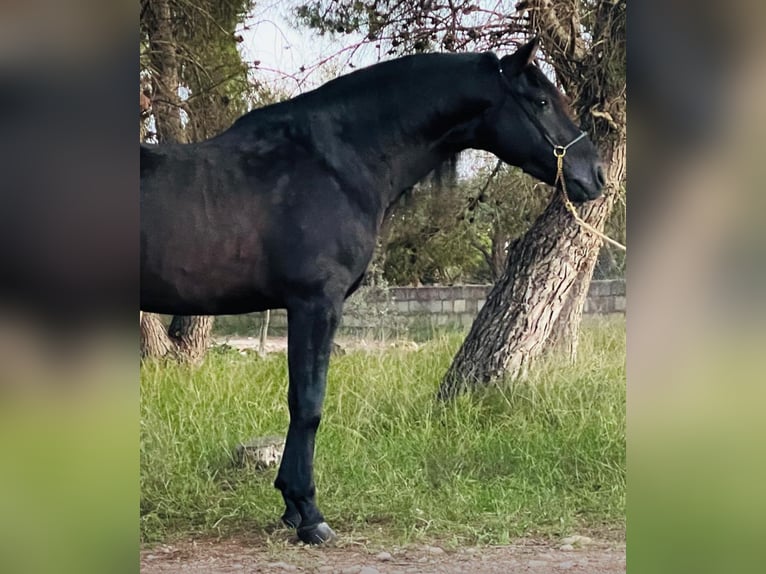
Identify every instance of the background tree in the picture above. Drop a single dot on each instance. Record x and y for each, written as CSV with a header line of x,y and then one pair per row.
x,y
197,84
538,300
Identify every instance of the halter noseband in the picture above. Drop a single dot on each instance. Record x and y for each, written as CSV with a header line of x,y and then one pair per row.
x,y
561,150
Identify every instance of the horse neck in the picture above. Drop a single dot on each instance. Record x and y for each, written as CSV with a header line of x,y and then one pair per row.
x,y
427,122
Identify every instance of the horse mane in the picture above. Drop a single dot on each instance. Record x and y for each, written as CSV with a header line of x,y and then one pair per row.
x,y
425,68
427,80
445,174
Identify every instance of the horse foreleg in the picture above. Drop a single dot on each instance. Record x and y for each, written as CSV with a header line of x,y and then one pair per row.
x,y
311,327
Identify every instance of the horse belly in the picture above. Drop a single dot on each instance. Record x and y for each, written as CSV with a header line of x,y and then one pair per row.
x,y
210,293
204,273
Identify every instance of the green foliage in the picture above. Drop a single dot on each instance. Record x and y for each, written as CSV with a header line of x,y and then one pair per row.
x,y
430,241
459,233
542,457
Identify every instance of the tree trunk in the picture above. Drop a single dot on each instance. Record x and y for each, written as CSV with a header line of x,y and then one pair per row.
x,y
539,298
167,103
264,332
187,337
155,342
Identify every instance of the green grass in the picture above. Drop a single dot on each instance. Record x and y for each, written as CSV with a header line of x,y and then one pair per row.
x,y
540,457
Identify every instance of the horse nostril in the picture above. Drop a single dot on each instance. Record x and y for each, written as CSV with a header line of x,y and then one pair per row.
x,y
600,177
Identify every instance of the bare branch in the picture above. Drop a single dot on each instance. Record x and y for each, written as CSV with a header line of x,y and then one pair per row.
x,y
548,21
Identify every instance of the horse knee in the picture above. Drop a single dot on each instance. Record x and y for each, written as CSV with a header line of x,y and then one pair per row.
x,y
309,420
307,413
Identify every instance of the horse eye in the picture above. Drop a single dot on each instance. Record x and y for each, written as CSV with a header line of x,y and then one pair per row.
x,y
542,103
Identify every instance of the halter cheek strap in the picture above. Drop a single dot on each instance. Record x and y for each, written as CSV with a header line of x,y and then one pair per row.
x,y
561,150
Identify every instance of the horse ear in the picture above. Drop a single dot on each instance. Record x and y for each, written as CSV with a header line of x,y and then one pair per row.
x,y
515,63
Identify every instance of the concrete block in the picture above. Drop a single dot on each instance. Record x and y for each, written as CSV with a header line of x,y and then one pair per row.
x,y
402,293
417,306
424,293
599,288
476,291
447,293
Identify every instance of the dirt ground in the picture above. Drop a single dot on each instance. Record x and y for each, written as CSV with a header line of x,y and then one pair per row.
x,y
241,556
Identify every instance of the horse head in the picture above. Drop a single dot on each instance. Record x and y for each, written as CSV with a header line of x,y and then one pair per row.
x,y
531,124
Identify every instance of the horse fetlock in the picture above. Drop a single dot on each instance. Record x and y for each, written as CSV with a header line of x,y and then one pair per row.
x,y
292,518
300,505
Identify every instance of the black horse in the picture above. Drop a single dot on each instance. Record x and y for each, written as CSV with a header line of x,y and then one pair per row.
x,y
282,210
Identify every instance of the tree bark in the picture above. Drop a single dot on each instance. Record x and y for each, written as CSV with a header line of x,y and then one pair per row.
x,y
165,73
191,336
564,334
187,338
264,332
155,342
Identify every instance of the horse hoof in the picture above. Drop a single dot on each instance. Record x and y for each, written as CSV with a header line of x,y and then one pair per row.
x,y
291,520
317,534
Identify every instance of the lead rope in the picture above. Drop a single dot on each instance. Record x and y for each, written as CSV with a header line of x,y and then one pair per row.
x,y
560,152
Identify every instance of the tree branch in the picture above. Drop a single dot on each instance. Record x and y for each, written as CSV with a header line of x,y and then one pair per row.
x,y
547,22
